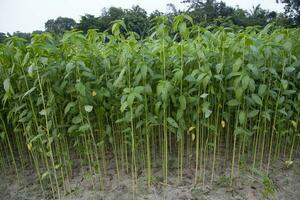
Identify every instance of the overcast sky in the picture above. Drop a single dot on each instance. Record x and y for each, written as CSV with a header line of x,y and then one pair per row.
x,y
30,15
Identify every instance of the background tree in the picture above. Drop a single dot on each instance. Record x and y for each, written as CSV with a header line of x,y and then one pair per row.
x,y
292,10
26,36
37,32
136,20
88,22
2,37
108,16
60,25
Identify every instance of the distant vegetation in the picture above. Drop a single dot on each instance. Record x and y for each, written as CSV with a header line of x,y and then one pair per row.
x,y
203,12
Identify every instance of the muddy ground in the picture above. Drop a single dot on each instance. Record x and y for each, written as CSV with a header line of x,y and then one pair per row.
x,y
282,183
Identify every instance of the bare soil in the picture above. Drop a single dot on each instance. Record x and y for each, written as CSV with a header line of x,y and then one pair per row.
x,y
282,183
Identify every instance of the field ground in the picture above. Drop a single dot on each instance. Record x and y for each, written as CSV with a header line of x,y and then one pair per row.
x,y
282,183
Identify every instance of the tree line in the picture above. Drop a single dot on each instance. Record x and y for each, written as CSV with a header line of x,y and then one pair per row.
x,y
204,12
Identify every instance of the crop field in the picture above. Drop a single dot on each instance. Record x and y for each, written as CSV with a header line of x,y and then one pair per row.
x,y
186,107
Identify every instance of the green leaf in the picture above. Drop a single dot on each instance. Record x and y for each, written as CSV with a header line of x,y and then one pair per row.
x,y
80,88
76,120
123,106
26,58
157,107
69,67
2,135
72,128
284,84
148,89
120,77
245,82
178,75
84,127
251,85
28,92
172,122
242,117
182,102
88,108
290,69
182,27
69,106
6,85
130,99
239,93
253,113
256,99
163,89
219,67
233,102
207,113
262,89
205,109
30,70
144,71
204,95
236,66
43,112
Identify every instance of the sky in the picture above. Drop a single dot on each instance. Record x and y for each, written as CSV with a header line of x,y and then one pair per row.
x,y
30,15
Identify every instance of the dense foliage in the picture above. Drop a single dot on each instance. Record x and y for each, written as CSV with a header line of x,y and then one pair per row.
x,y
183,92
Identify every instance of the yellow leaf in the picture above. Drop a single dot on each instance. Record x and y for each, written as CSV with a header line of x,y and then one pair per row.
x,y
293,123
288,163
29,146
191,128
193,137
94,93
223,124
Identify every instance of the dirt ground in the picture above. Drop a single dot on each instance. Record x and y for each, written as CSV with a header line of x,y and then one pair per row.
x,y
282,184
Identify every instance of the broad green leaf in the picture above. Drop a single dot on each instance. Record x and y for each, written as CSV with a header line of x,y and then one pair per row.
x,y
69,106
204,95
84,127
6,85
262,89
172,122
245,82
251,85
123,106
284,84
233,102
256,99
120,78
88,108
182,102
253,113
70,66
207,113
242,117
80,88
30,70
236,66
290,69
130,99
219,67
76,120
239,93
43,112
